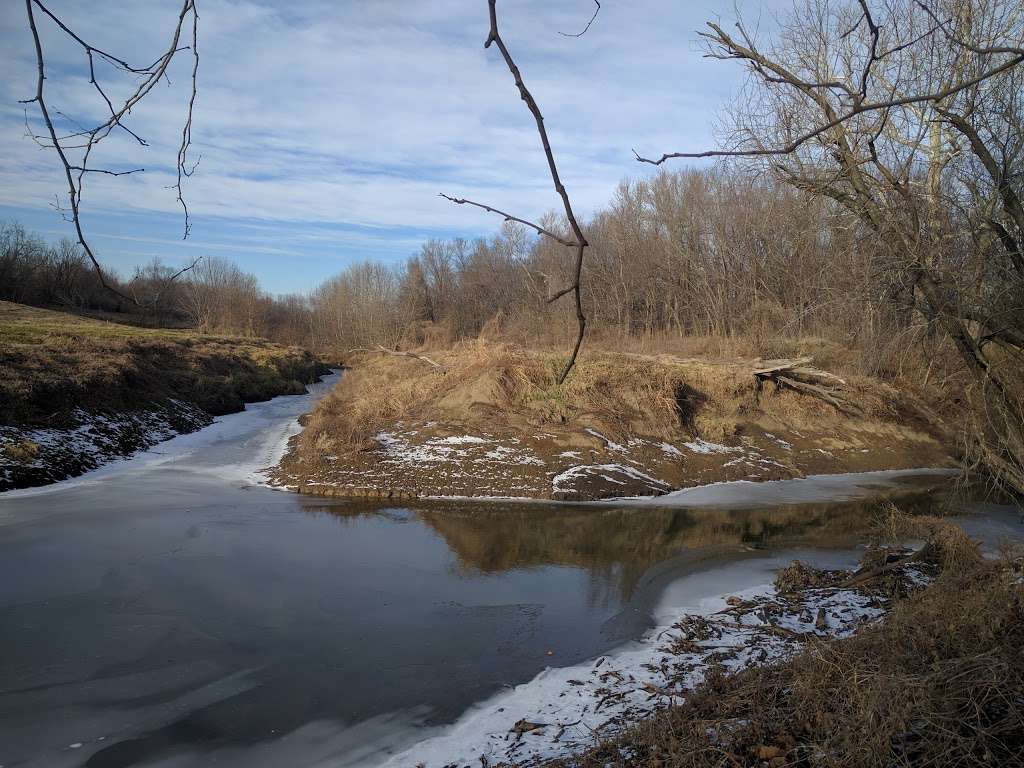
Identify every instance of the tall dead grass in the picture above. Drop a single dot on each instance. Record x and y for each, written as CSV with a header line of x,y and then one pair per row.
x,y
486,385
940,682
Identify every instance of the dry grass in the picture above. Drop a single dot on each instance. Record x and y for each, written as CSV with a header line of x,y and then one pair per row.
x,y
52,362
20,451
622,394
939,683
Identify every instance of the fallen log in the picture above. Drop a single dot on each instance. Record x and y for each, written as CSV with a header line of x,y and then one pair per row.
x,y
829,396
770,367
798,375
397,353
816,373
861,576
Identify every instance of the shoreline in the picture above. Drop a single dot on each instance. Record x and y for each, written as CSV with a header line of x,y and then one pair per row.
x,y
822,486
712,619
184,443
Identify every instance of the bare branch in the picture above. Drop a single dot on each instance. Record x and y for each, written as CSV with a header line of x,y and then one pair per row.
x,y
509,217
951,35
75,171
873,53
186,130
586,28
580,242
105,171
740,51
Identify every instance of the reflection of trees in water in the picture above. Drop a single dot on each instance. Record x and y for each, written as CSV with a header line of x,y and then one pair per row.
x,y
616,546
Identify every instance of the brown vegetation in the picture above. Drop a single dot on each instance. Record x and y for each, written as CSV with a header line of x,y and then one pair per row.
x,y
939,682
77,392
488,419
52,363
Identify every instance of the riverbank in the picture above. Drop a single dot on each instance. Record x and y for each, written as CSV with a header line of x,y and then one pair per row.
x,y
76,393
766,675
487,420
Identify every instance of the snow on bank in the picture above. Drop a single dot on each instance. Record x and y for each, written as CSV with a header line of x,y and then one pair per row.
x,y
235,448
565,710
608,472
399,450
54,453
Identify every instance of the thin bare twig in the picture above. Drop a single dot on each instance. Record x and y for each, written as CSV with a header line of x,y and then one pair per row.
x,y
580,243
589,23
75,172
509,217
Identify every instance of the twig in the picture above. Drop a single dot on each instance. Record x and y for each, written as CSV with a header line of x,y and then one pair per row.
x,y
74,172
586,28
509,217
580,242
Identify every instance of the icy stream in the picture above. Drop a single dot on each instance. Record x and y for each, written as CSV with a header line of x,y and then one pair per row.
x,y
169,610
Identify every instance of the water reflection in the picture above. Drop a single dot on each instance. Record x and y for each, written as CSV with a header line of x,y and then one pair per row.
x,y
616,546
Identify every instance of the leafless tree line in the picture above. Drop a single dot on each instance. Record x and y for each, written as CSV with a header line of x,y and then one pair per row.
x,y
216,296
688,253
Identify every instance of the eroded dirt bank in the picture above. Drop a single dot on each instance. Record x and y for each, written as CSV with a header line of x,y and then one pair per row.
x,y
488,421
77,393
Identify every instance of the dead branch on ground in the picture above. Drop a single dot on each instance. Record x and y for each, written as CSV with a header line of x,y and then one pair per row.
x,y
798,375
398,353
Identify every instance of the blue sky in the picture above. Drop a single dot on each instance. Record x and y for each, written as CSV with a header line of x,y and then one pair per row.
x,y
327,129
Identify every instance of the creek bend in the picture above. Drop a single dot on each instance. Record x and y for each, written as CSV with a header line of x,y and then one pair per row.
x,y
170,610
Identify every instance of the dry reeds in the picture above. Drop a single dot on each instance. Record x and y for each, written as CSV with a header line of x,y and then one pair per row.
x,y
940,682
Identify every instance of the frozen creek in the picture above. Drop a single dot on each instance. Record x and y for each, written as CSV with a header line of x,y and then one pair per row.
x,y
170,610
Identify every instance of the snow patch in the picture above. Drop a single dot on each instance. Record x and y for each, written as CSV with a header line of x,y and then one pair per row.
x,y
583,470
609,444
703,446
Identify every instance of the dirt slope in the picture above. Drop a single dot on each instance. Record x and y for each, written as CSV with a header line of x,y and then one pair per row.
x,y
490,422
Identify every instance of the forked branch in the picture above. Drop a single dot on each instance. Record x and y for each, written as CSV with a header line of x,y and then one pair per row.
x,y
86,140
580,242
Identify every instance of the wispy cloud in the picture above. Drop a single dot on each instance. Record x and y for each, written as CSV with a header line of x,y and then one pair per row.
x,y
343,120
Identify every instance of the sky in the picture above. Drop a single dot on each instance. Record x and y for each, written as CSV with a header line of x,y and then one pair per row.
x,y
326,130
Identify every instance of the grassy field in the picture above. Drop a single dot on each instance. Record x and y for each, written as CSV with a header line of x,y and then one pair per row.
x,y
52,363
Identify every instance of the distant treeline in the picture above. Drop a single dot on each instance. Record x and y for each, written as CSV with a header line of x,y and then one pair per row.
x,y
689,253
695,252
215,296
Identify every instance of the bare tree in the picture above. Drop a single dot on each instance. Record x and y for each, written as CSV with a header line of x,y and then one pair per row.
x,y
908,115
74,148
578,241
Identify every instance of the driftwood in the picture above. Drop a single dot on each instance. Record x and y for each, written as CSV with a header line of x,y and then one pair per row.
x,y
867,575
397,353
798,375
